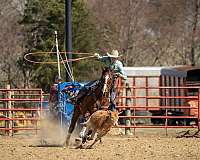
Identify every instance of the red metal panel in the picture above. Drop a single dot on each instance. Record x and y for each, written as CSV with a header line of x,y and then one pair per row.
x,y
22,109
174,95
179,96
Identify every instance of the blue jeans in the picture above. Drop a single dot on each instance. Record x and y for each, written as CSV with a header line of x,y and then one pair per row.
x,y
112,105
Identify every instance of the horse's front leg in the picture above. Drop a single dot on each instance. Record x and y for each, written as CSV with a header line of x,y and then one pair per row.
x,y
93,108
75,117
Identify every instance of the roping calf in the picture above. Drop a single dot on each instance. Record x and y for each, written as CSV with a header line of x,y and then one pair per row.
x,y
99,124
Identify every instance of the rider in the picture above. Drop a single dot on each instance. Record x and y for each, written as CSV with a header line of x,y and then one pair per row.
x,y
53,98
112,61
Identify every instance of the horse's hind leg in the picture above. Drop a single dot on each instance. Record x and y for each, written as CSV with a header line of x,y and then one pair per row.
x,y
75,117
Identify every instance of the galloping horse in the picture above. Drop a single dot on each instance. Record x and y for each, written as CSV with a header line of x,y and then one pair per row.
x,y
88,103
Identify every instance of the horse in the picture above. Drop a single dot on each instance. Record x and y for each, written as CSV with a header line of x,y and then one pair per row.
x,y
88,103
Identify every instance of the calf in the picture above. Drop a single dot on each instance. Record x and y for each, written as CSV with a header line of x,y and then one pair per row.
x,y
99,124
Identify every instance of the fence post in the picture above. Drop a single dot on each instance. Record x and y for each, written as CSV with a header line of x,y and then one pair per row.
x,y
198,108
128,110
10,123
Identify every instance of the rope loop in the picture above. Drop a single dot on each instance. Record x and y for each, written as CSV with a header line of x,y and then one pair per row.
x,y
27,57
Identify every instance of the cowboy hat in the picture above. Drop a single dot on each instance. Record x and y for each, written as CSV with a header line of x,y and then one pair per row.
x,y
113,54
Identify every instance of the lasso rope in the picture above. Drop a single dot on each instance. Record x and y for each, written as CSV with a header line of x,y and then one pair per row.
x,y
90,55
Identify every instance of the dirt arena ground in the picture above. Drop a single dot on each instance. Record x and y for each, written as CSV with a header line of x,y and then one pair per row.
x,y
147,144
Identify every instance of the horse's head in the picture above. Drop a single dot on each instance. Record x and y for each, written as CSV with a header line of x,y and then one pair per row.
x,y
106,79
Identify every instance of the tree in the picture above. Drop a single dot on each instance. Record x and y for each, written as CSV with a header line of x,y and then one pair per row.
x,y
150,32
11,45
121,26
85,39
192,19
41,19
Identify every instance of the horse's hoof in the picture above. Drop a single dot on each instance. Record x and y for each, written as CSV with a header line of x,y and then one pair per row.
x,y
79,146
65,145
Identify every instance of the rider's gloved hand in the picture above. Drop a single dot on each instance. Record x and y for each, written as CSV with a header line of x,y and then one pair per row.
x,y
96,55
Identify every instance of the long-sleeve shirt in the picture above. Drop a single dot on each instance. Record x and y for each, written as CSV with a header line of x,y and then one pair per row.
x,y
117,65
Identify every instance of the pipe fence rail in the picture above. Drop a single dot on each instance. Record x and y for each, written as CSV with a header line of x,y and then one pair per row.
x,y
142,107
20,109
158,107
